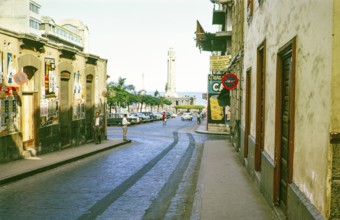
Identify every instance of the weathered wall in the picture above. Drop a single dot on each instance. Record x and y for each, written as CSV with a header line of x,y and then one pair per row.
x,y
335,117
335,191
311,22
335,121
267,180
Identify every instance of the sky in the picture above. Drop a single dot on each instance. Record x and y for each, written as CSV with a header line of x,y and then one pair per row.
x,y
135,36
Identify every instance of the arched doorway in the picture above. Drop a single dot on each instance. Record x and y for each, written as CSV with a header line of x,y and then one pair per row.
x,y
29,101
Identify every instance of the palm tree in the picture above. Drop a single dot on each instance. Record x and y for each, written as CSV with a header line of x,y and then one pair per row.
x,y
120,84
119,93
157,94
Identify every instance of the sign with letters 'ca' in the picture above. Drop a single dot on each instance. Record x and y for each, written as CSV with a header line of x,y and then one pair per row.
x,y
215,112
215,85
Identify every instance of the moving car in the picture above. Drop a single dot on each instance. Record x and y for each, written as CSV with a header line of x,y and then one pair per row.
x,y
187,116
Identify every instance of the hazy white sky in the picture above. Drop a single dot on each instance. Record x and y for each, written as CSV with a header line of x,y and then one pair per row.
x,y
135,36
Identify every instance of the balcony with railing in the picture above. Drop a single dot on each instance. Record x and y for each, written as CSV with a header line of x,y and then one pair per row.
x,y
51,30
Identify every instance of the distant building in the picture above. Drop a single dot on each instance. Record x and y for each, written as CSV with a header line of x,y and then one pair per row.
x,y
65,85
21,16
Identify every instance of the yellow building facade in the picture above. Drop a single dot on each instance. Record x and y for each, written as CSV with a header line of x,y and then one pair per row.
x,y
49,94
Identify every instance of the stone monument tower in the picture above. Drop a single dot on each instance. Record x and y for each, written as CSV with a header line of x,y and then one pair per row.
x,y
143,91
170,87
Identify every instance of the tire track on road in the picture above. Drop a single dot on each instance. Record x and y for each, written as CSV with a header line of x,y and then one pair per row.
x,y
160,204
100,206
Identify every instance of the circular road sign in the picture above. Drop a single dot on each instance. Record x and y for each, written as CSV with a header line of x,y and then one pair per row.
x,y
20,78
229,81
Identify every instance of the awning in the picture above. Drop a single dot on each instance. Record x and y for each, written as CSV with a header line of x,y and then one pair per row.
x,y
200,34
211,41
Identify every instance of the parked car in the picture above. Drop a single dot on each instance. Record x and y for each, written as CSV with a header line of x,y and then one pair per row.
x,y
133,119
142,117
186,116
114,119
150,114
158,115
168,115
173,115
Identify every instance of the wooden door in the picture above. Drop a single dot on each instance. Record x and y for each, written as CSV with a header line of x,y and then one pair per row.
x,y
65,113
285,125
29,119
247,113
89,108
260,104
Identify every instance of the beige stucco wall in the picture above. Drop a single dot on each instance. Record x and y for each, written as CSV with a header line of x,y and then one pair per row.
x,y
311,22
101,75
335,121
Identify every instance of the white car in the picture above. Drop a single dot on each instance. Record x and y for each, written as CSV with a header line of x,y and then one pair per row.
x,y
133,119
186,116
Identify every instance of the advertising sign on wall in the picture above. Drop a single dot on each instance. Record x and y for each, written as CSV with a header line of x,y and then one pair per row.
x,y
216,113
219,63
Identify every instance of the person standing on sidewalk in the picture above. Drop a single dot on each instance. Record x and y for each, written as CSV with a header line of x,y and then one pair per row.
x,y
198,118
97,125
125,123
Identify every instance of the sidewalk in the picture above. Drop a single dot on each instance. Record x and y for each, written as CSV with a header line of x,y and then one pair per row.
x,y
16,170
203,129
225,189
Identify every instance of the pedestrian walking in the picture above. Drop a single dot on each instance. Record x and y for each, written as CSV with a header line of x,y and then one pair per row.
x,y
97,125
125,123
198,118
164,118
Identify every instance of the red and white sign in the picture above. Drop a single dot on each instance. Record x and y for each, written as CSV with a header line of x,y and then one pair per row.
x,y
229,81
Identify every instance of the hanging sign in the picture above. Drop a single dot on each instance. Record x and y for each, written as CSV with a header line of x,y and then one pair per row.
x,y
229,81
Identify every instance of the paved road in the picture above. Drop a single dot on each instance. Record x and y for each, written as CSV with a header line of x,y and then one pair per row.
x,y
154,177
